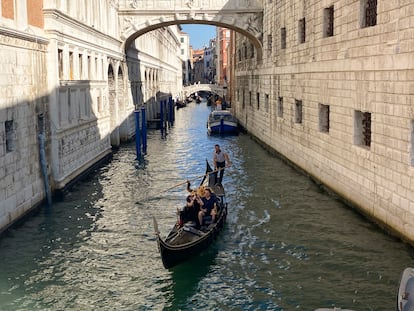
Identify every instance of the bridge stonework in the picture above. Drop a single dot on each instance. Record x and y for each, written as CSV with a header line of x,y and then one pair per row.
x,y
137,17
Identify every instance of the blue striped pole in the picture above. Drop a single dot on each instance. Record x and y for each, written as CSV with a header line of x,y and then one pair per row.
x,y
162,118
144,129
137,135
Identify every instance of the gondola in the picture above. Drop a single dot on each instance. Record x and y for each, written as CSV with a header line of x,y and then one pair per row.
x,y
186,239
405,299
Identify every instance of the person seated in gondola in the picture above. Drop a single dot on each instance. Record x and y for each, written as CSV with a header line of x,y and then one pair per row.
x,y
190,212
209,207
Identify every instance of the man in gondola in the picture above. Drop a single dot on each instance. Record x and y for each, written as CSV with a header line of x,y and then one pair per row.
x,y
219,159
209,207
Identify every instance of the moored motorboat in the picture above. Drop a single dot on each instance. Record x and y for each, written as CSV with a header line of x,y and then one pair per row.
x,y
405,298
187,239
222,122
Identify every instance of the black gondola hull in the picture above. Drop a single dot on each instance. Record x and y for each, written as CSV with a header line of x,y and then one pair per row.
x,y
173,255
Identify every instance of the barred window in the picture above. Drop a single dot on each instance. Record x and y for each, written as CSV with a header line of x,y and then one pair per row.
x,y
283,38
323,118
362,128
302,30
368,13
280,107
298,111
328,22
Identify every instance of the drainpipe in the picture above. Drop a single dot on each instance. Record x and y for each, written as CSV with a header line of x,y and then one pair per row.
x,y
43,164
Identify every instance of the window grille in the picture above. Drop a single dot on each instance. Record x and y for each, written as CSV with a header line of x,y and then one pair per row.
x,y
298,111
366,128
280,107
302,30
329,21
371,13
10,136
283,38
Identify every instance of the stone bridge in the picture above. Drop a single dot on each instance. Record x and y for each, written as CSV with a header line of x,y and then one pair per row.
x,y
137,17
214,88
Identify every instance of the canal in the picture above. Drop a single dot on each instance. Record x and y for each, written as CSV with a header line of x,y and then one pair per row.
x,y
287,245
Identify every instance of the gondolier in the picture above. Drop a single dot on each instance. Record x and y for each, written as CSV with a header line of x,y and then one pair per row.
x,y
219,159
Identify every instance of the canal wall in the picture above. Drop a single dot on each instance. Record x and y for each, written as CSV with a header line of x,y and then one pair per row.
x,y
339,105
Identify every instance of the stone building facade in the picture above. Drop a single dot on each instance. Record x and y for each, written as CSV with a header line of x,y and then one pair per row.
x,y
68,92
333,93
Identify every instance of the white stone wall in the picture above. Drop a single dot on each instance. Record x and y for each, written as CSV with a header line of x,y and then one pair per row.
x,y
366,69
23,95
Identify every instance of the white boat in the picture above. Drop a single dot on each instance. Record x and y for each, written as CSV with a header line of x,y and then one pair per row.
x,y
222,122
405,299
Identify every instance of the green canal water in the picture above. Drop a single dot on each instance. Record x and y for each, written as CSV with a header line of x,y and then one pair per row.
x,y
287,245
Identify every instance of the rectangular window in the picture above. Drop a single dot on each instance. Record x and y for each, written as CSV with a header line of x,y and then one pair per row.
x,y
250,98
323,118
80,67
60,63
182,51
328,22
283,38
280,107
302,30
71,77
269,42
243,99
182,39
267,102
368,13
10,136
258,100
298,111
362,128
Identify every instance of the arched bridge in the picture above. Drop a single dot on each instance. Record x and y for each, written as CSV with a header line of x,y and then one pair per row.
x,y
214,88
137,17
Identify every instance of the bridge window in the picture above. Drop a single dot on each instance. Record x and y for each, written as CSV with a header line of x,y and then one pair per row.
x,y
328,22
302,30
283,38
298,111
280,107
323,118
240,55
10,136
251,51
362,128
368,13
245,51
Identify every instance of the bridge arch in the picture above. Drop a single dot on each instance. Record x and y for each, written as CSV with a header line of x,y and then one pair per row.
x,y
137,17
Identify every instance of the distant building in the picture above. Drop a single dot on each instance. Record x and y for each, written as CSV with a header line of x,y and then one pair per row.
x,y
223,39
198,62
209,62
185,56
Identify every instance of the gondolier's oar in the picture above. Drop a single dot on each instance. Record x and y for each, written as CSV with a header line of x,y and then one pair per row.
x,y
184,182
192,179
